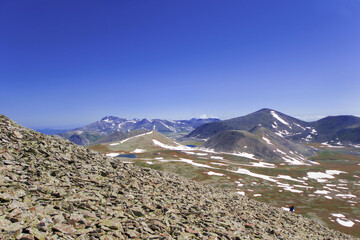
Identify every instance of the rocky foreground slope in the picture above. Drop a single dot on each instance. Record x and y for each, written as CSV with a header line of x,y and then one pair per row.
x,y
54,189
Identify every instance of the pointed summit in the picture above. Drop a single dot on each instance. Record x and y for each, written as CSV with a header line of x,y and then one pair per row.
x,y
268,118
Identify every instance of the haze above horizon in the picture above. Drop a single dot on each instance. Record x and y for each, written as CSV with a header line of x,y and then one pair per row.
x,y
69,63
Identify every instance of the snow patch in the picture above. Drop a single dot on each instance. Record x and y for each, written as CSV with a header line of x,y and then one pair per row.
x,y
278,150
168,127
291,189
220,164
267,141
273,113
262,164
107,120
326,144
239,184
355,145
345,222
334,172
346,195
289,178
315,163
247,172
201,154
179,147
140,135
138,150
319,176
293,161
190,153
321,192
308,138
195,164
112,154
299,126
244,154
214,173
302,186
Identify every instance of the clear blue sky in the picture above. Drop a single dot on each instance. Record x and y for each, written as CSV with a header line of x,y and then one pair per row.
x,y
69,63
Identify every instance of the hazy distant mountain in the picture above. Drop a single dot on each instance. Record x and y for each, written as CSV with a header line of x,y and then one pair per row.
x,y
49,131
110,124
330,129
82,137
342,128
336,130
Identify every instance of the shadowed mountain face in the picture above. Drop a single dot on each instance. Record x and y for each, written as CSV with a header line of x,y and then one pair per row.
x,y
82,137
261,143
49,131
266,118
108,125
335,129
343,128
234,141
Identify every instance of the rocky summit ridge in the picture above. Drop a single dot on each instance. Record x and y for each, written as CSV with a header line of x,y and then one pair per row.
x,y
54,189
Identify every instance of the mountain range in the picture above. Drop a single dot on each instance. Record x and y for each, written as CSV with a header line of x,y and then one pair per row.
x,y
333,129
217,134
110,124
266,135
271,135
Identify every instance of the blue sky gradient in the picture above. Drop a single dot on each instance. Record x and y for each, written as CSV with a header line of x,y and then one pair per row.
x,y
69,63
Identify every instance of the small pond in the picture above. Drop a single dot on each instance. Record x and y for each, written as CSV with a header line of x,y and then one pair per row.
x,y
127,155
191,146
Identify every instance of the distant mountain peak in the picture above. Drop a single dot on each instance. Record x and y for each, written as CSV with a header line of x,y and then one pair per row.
x,y
110,118
205,116
266,110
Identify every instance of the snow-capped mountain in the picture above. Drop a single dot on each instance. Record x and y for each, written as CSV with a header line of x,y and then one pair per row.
x,y
111,124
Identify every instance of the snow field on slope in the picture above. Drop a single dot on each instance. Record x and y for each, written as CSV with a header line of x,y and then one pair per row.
x,y
274,114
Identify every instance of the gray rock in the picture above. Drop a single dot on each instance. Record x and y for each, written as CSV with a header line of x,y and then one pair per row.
x,y
138,212
64,228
